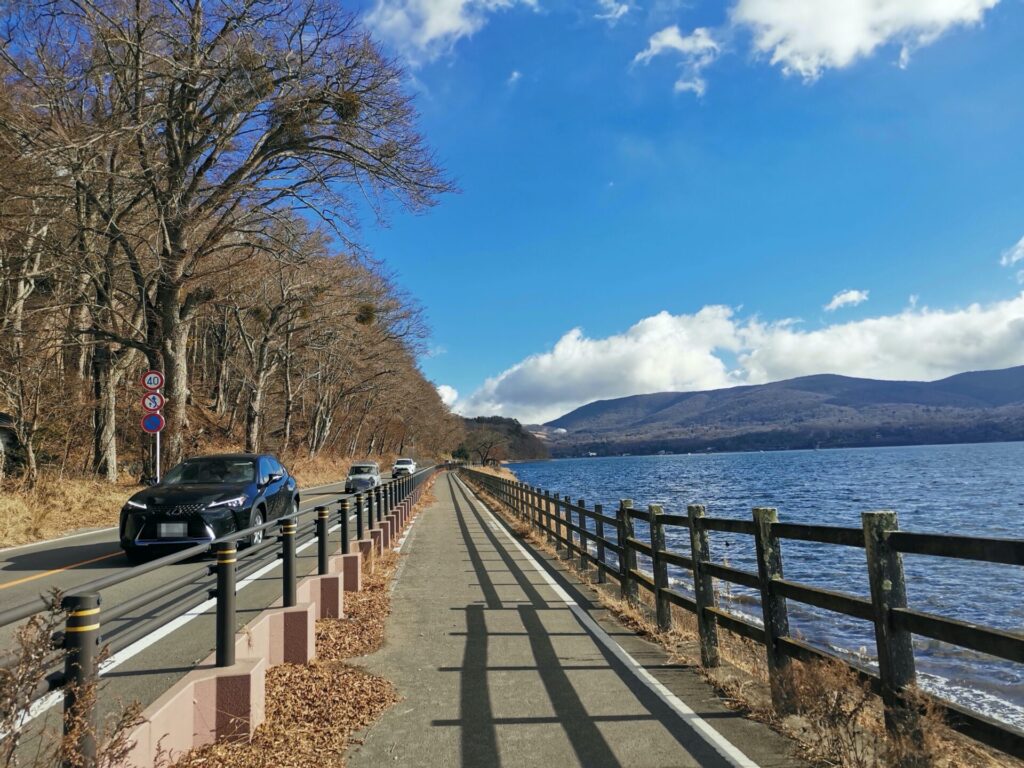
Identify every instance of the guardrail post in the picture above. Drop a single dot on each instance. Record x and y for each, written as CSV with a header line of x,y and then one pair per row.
x,y
81,642
773,606
599,530
288,528
627,556
703,589
895,652
226,564
322,566
660,568
584,552
378,504
359,517
370,517
343,519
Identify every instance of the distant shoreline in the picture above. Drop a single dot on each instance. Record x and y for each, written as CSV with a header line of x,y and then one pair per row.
x,y
775,450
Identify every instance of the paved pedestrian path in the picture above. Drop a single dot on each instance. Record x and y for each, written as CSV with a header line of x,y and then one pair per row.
x,y
502,660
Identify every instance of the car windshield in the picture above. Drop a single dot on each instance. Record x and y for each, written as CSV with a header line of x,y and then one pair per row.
x,y
213,470
361,469
404,461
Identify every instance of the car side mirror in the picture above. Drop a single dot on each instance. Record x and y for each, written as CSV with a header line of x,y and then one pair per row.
x,y
274,477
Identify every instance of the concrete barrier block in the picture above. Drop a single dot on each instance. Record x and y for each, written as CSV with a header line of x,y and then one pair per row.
x,y
365,547
324,592
377,537
207,705
351,568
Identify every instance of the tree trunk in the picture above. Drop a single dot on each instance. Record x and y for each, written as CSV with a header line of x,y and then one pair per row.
x,y
104,382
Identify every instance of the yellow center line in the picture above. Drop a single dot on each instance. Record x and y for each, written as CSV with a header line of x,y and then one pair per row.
x,y
16,582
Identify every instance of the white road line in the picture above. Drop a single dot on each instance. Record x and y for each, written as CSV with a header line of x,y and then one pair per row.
x,y
721,745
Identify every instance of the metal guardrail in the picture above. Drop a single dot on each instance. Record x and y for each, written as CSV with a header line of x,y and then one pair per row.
x,y
565,524
80,640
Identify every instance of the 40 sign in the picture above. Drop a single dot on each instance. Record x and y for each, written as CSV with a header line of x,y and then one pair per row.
x,y
152,380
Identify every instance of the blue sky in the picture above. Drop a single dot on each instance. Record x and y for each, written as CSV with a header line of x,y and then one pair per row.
x,y
668,197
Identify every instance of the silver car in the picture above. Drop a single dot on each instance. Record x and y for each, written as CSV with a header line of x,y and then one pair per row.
x,y
362,476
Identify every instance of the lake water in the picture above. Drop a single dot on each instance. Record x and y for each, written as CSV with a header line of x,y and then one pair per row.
x,y
956,489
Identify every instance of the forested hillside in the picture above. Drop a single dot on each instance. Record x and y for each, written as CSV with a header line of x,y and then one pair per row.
x,y
498,438
182,189
807,412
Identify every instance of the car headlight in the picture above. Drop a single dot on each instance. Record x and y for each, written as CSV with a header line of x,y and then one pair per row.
x,y
135,504
236,503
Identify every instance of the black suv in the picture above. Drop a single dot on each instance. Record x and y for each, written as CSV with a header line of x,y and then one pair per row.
x,y
205,498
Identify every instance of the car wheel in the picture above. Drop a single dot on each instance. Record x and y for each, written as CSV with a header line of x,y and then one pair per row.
x,y
256,537
136,556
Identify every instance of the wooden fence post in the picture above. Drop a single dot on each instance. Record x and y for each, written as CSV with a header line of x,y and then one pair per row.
x,y
703,589
566,522
773,606
895,651
548,524
584,551
660,568
627,556
599,529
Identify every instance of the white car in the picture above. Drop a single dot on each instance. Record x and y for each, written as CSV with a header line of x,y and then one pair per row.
x,y
403,467
363,476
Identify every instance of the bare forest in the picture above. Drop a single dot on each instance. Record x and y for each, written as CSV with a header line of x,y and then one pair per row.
x,y
182,188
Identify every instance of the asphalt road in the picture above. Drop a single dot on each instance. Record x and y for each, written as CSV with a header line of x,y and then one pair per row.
x,y
144,670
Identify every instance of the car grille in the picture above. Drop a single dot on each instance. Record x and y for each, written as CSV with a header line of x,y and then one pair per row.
x,y
176,509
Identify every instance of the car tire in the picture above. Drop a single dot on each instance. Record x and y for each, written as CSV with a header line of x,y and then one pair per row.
x,y
256,537
136,556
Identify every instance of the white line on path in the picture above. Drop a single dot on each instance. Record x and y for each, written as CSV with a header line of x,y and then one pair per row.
x,y
721,745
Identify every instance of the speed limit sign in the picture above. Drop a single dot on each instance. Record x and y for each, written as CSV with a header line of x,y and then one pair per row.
x,y
152,380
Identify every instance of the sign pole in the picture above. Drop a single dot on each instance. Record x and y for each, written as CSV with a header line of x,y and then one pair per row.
x,y
158,457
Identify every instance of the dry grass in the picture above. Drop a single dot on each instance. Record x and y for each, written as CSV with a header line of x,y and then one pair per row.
x,y
839,722
54,508
33,657
501,471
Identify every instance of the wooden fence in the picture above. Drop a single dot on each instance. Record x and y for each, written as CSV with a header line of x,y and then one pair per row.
x,y
591,535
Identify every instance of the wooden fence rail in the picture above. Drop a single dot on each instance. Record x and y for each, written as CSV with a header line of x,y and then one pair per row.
x,y
580,533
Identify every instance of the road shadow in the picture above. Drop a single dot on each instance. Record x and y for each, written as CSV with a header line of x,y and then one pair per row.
x,y
77,556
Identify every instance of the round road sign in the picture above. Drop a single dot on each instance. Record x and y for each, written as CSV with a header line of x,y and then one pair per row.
x,y
152,402
152,380
152,423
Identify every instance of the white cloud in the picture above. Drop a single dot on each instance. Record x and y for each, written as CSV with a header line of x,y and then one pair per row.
x,y
806,37
611,11
1012,255
449,395
698,50
846,299
513,78
693,352
424,29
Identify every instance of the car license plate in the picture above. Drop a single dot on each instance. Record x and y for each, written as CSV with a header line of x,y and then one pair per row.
x,y
172,530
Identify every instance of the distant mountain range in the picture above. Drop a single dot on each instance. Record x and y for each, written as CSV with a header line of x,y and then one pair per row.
x,y
824,411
